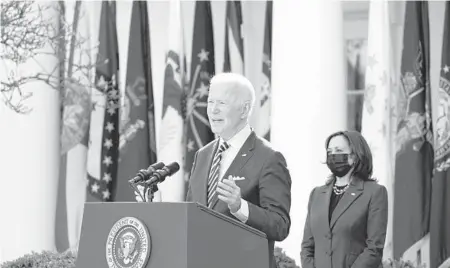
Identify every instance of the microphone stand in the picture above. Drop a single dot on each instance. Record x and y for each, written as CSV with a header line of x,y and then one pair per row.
x,y
151,190
143,173
133,185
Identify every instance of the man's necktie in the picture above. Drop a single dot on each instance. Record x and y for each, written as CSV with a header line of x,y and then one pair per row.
x,y
214,173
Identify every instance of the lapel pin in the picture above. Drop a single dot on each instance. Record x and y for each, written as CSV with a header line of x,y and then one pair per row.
x,y
244,154
353,193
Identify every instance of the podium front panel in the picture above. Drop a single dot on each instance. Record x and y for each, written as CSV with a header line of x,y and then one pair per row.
x,y
181,235
217,241
166,224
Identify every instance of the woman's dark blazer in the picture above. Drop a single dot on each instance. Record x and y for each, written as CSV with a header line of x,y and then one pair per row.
x,y
355,235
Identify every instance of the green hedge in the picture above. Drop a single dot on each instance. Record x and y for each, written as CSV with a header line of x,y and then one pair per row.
x,y
283,260
46,259
401,264
49,259
67,259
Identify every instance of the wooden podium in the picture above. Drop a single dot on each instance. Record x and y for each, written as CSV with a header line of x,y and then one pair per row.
x,y
180,235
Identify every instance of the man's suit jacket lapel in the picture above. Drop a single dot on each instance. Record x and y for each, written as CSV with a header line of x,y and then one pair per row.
x,y
204,174
351,194
242,157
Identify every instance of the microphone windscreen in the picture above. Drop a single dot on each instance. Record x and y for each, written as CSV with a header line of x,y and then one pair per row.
x,y
173,167
158,165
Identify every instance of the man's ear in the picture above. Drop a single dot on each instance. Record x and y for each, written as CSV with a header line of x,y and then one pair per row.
x,y
245,109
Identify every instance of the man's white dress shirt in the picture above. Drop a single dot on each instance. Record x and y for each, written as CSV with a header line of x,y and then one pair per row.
x,y
228,156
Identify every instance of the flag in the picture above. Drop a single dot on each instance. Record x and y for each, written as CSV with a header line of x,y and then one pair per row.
x,y
440,201
234,42
376,107
414,138
202,69
74,130
358,98
103,149
171,146
359,73
137,131
265,94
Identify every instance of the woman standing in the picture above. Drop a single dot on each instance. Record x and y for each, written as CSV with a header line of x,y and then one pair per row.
x,y
347,217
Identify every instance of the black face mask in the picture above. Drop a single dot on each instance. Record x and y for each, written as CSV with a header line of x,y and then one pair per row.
x,y
338,164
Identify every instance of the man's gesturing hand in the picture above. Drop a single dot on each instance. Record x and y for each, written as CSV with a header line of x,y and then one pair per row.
x,y
229,193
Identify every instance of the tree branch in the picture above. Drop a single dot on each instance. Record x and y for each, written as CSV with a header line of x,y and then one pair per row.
x,y
28,35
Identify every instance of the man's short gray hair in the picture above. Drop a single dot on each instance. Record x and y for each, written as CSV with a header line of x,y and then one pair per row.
x,y
237,82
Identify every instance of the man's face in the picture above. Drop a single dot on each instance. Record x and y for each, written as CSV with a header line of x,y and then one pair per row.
x,y
225,110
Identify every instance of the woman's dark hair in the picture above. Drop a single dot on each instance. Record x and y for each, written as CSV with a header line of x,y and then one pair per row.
x,y
361,151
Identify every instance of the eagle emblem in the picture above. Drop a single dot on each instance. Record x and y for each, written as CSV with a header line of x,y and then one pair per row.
x,y
127,247
128,244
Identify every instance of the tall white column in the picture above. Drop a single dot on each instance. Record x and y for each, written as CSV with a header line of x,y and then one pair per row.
x,y
29,170
309,96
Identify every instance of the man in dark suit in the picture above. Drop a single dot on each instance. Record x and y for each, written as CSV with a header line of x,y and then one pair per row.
x,y
239,174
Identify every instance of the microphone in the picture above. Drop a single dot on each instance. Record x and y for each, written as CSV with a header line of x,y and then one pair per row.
x,y
143,174
161,174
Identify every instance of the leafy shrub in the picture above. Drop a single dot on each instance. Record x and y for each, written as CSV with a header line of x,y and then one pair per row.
x,y
400,264
282,260
48,259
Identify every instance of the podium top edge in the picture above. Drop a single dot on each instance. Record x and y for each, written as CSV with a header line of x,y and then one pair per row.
x,y
231,220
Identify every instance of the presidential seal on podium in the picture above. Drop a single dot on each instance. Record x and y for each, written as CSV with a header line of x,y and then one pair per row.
x,y
128,244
